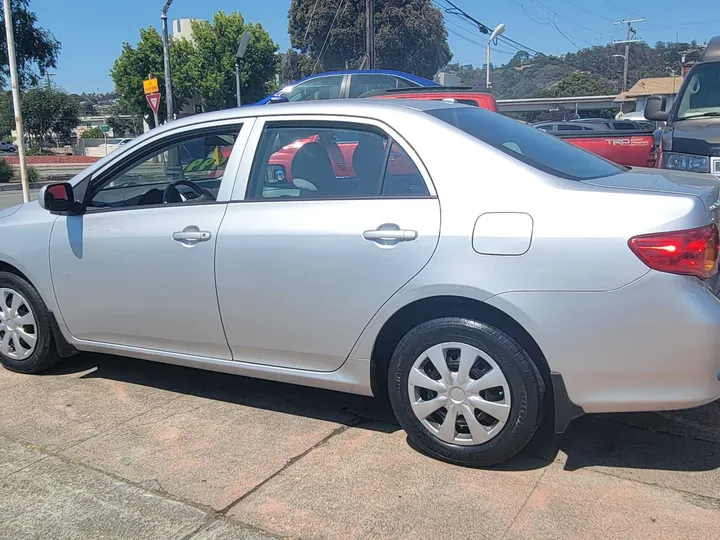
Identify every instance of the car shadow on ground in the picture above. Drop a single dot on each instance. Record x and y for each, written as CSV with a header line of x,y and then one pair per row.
x,y
674,441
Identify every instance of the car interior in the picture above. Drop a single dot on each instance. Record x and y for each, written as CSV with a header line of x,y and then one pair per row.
x,y
326,163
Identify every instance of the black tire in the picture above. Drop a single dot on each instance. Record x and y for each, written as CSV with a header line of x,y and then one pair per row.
x,y
525,383
45,354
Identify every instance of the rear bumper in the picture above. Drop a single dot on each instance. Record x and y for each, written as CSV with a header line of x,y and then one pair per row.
x,y
651,345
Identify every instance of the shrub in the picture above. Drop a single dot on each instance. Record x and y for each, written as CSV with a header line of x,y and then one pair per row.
x,y
33,175
6,171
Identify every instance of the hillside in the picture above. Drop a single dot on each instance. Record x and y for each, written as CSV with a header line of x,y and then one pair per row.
x,y
589,71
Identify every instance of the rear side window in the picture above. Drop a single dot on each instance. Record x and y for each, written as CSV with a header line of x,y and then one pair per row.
x,y
529,145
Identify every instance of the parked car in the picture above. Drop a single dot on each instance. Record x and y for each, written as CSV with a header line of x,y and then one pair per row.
x,y
467,95
555,279
7,147
561,127
618,125
345,84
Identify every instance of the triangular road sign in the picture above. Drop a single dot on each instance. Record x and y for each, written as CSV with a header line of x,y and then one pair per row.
x,y
154,102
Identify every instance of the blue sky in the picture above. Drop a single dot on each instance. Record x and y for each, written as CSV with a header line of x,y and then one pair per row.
x,y
92,31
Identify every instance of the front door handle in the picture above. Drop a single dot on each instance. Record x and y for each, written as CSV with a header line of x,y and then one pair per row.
x,y
390,234
191,235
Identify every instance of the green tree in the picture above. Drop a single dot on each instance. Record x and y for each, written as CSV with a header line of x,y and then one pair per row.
x,y
146,58
93,132
49,113
7,115
215,46
36,49
410,34
295,66
579,83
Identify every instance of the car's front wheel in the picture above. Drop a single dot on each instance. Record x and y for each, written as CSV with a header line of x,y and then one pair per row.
x,y
27,343
465,392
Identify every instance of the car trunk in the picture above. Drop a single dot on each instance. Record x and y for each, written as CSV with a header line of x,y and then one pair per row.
x,y
703,186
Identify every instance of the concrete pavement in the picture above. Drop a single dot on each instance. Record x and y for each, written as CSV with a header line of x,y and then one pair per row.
x,y
11,198
120,448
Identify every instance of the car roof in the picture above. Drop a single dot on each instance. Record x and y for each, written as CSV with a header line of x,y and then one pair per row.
x,y
373,108
409,76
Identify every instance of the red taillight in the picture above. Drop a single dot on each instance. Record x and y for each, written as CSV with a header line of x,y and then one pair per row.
x,y
693,252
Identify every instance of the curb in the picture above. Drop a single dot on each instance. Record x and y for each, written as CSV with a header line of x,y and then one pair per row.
x,y
15,186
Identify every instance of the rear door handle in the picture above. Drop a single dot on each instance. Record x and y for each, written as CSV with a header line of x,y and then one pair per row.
x,y
389,234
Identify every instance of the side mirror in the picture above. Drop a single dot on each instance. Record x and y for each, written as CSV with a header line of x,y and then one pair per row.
x,y
278,99
58,199
654,109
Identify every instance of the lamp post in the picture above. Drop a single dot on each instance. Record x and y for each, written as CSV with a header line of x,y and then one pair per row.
x,y
239,55
495,33
166,61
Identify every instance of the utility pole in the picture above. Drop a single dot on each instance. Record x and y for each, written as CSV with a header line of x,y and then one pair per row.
x,y
370,32
631,33
166,60
495,33
16,99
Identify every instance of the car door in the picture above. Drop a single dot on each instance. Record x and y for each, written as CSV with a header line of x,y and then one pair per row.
x,y
301,270
136,268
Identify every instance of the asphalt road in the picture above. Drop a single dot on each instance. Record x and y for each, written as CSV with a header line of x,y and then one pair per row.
x,y
11,198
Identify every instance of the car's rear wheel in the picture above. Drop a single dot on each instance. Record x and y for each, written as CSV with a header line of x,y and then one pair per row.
x,y
465,392
26,338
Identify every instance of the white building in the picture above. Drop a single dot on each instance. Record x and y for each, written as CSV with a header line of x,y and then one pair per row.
x,y
182,28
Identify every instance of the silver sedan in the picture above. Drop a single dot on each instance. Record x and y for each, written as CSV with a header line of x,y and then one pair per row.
x,y
476,271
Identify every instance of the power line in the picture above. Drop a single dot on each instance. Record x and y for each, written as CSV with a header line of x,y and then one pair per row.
x,y
588,11
549,10
312,13
322,50
613,4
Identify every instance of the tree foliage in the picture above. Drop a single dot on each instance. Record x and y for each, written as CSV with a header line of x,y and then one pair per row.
x,y
215,47
7,114
409,36
135,64
36,49
93,132
47,112
204,68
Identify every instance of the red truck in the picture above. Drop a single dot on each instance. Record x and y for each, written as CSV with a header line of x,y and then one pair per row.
x,y
633,148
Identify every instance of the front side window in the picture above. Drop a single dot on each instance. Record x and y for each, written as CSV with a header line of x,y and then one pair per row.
x,y
182,171
360,84
526,144
701,93
332,161
315,89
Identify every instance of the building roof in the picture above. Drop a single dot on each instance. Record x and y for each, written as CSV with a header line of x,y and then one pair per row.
x,y
651,86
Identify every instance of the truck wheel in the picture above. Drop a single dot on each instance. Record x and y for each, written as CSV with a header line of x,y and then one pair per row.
x,y
465,392
27,343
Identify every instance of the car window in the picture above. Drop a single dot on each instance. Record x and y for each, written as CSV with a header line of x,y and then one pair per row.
x,y
545,127
528,145
570,127
197,163
332,162
315,89
624,126
359,84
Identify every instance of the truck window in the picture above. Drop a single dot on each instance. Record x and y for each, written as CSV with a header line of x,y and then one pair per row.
x,y
700,95
529,145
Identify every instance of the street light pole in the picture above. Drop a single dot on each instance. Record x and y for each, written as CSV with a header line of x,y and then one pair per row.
x,y
16,99
239,55
495,33
166,61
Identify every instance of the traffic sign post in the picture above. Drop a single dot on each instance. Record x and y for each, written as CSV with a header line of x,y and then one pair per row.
x,y
154,102
150,86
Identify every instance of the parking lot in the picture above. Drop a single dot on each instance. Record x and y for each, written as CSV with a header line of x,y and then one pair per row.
x,y
114,447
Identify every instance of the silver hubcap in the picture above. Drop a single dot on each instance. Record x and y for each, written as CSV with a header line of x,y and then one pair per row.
x,y
459,393
18,331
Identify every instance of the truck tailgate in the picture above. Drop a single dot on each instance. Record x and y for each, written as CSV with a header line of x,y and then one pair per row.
x,y
629,148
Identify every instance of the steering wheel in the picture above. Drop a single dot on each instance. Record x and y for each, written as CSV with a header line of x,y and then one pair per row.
x,y
203,194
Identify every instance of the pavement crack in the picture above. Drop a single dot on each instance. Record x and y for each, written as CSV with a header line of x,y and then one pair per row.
x,y
116,426
686,493
355,422
524,504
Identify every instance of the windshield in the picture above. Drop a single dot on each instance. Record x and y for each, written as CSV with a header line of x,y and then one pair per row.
x,y
528,144
701,94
